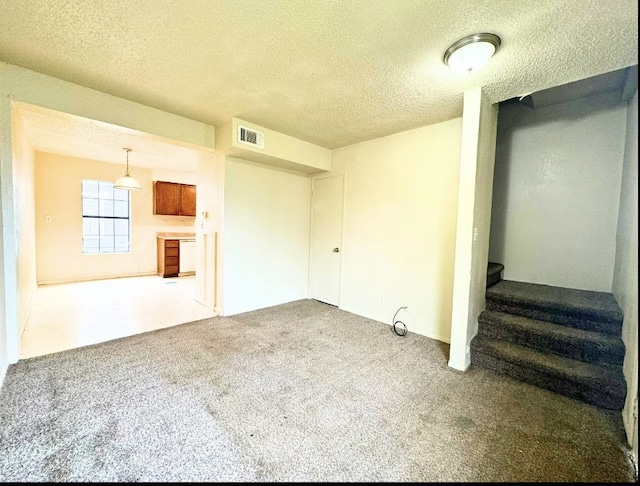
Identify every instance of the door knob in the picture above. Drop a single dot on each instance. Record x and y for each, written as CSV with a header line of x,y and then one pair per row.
x,y
336,250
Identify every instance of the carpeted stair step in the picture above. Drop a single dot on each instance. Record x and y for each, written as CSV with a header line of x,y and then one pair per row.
x,y
588,346
592,384
582,309
494,271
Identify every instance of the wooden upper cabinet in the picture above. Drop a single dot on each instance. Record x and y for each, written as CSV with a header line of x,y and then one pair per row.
x,y
166,198
187,200
173,199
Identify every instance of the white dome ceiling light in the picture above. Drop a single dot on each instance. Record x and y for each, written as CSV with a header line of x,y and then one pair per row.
x,y
471,52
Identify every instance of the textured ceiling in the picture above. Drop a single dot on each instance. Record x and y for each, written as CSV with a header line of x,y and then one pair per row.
x,y
330,72
65,134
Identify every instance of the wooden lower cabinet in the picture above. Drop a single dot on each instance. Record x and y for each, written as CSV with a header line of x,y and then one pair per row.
x,y
168,257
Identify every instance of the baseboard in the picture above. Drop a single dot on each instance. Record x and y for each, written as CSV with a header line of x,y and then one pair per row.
x,y
25,318
90,279
430,335
461,366
3,374
630,423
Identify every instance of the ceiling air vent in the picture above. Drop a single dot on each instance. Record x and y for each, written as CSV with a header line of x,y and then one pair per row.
x,y
250,137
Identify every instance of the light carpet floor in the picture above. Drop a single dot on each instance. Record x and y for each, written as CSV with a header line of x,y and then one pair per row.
x,y
297,392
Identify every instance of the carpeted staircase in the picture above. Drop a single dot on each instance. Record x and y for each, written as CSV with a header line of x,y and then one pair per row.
x,y
494,273
564,340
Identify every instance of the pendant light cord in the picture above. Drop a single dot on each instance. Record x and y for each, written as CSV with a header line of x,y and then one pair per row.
x,y
126,174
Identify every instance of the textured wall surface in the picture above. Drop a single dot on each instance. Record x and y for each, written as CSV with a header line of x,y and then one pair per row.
x,y
557,191
266,236
400,227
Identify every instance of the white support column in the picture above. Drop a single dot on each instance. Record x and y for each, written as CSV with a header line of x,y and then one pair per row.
x,y
8,248
477,157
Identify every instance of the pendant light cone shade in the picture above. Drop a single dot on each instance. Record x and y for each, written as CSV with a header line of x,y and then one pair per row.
x,y
127,182
472,52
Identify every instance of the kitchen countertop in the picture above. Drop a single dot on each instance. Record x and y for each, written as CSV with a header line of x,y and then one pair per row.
x,y
176,236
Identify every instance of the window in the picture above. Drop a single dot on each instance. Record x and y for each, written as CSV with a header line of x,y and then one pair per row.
x,y
105,218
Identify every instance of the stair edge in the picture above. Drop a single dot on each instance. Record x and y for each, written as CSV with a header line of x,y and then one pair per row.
x,y
604,349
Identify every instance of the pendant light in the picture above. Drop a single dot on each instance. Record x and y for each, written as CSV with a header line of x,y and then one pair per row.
x,y
472,52
127,182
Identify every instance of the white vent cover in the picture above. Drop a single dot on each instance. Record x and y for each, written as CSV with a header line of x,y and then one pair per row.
x,y
250,137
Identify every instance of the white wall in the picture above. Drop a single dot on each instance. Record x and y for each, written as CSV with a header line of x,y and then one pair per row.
x,y
266,236
477,157
556,192
9,324
279,150
58,194
625,277
399,224
23,183
209,224
31,87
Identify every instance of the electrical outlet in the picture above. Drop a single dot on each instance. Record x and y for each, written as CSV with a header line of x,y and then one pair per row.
x,y
378,299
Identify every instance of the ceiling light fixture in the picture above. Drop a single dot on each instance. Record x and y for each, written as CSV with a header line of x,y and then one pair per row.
x,y
471,52
526,100
127,182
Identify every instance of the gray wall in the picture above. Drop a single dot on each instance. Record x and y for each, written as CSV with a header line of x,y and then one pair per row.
x,y
556,192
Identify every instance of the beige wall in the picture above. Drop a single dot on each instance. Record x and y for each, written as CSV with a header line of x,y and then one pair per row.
x,y
557,190
266,236
625,277
399,229
23,183
477,158
58,181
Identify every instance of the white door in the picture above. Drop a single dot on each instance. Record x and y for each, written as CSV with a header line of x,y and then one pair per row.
x,y
326,238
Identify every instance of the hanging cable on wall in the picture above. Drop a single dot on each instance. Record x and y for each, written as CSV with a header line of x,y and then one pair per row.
x,y
399,331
